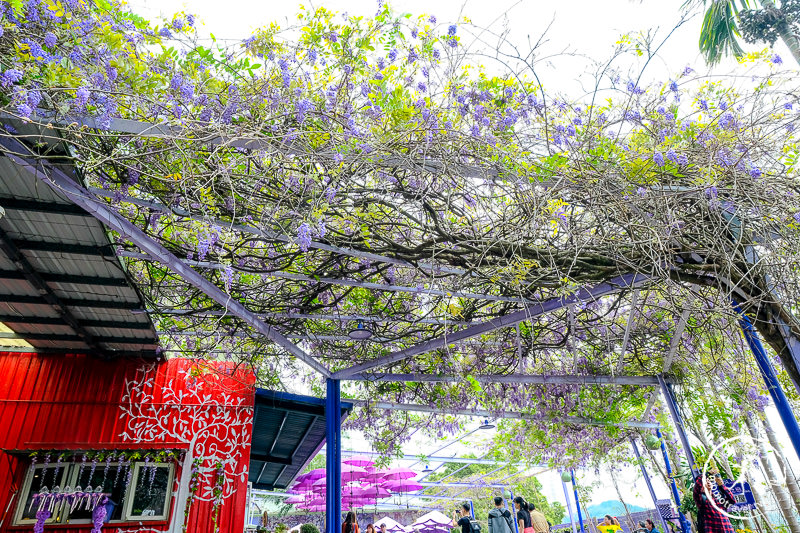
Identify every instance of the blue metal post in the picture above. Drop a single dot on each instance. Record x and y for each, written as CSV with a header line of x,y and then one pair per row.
x,y
577,501
333,456
649,484
674,411
514,513
471,509
685,526
569,507
770,379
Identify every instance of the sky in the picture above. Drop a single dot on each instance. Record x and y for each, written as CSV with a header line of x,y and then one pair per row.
x,y
579,33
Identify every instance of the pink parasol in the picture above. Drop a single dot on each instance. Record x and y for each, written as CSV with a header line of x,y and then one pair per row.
x,y
401,485
359,460
295,499
321,482
315,474
399,473
352,473
372,492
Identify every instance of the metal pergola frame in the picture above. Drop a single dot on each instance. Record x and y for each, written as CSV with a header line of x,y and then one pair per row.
x,y
57,179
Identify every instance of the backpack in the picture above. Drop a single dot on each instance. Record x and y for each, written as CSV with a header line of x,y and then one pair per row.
x,y
475,526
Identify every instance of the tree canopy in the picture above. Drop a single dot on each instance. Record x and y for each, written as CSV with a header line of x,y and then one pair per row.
x,y
370,169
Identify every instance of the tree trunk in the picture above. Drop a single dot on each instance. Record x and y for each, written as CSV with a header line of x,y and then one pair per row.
x,y
784,502
785,31
624,505
765,524
791,481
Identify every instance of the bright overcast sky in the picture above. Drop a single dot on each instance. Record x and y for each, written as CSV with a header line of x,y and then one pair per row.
x,y
587,28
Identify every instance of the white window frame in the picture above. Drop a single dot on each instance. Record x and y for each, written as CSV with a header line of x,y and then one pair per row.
x,y
26,487
132,490
69,476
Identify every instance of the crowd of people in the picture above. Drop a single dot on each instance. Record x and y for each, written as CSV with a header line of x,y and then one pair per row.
x,y
529,519
710,495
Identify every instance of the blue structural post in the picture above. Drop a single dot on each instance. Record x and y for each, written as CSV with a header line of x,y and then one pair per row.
x,y
675,414
770,379
685,526
649,484
569,507
577,501
333,456
514,513
471,510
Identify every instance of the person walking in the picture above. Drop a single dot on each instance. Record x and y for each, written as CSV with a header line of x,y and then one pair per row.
x,y
523,516
538,520
712,500
500,519
350,523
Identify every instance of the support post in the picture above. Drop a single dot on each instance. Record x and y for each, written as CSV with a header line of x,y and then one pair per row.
x,y
672,405
649,484
471,510
770,379
569,507
514,513
333,456
577,501
685,526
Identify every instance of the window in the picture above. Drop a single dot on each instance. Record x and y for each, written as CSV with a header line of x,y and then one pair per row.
x,y
137,491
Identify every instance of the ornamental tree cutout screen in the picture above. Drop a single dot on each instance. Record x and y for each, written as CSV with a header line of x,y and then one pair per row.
x,y
195,409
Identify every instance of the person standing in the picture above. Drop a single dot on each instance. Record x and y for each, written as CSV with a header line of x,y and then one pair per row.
x,y
350,523
538,520
650,526
370,528
500,519
523,516
461,518
712,500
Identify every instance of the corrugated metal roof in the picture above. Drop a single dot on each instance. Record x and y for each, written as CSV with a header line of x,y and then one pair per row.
x,y
62,287
288,431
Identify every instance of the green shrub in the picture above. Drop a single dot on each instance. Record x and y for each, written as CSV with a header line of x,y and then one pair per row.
x,y
309,528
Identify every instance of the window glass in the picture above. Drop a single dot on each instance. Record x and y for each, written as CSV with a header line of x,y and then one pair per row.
x,y
42,478
112,483
150,491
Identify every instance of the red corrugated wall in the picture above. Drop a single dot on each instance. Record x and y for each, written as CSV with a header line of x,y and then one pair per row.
x,y
73,402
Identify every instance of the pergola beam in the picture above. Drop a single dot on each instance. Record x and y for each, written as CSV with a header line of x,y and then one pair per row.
x,y
628,327
70,302
486,413
625,281
444,459
60,182
55,321
516,378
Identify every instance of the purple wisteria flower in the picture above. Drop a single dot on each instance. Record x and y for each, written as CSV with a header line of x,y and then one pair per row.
x,y
755,172
776,60
304,236
50,40
10,76
797,217
451,30
658,159
432,19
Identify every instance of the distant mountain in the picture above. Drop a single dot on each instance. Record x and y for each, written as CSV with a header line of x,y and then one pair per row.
x,y
612,507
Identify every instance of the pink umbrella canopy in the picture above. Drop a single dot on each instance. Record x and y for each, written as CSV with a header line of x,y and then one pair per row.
x,y
315,474
399,473
401,485
372,492
359,460
313,508
295,499
352,473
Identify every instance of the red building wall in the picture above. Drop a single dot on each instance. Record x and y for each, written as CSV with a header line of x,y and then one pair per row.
x,y
78,402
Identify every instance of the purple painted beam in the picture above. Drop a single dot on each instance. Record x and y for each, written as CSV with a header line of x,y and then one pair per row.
x,y
626,281
60,182
514,378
